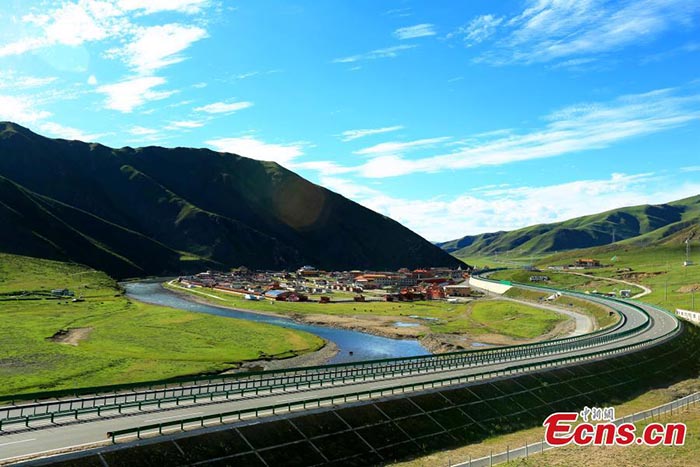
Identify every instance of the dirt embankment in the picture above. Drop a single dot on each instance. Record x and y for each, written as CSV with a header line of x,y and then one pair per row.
x,y
385,326
70,336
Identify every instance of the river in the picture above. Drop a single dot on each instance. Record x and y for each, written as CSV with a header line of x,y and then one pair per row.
x,y
362,345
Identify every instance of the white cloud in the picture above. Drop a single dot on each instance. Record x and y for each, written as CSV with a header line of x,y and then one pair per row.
x,y
224,107
412,32
142,131
11,80
388,52
248,146
350,135
477,30
156,6
570,130
691,168
324,168
395,147
66,132
72,24
159,46
548,30
129,94
147,49
21,110
186,124
479,211
92,80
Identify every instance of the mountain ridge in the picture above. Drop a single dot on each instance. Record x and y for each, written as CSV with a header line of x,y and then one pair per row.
x,y
640,223
187,209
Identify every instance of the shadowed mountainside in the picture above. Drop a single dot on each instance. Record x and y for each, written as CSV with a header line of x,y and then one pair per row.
x,y
134,212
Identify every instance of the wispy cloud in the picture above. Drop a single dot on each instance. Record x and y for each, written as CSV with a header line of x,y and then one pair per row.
x,y
127,95
350,135
12,80
224,107
254,148
66,132
412,32
399,12
479,211
156,47
388,52
157,6
185,124
573,129
548,30
396,147
477,30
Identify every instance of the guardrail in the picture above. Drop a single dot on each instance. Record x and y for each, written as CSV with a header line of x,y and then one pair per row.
x,y
344,373
200,422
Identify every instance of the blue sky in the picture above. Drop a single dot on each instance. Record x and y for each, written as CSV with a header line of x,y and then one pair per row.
x,y
453,118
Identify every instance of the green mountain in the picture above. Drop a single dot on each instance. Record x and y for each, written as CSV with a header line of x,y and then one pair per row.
x,y
639,225
134,212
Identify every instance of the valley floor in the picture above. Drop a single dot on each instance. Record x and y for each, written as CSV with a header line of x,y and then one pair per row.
x,y
440,326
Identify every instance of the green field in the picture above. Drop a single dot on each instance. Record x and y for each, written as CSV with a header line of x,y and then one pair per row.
x,y
659,267
124,341
566,281
514,319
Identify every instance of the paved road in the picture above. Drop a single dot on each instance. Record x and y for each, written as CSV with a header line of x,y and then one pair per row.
x,y
50,439
646,290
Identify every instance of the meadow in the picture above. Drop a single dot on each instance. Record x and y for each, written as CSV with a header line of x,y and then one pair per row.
x,y
114,340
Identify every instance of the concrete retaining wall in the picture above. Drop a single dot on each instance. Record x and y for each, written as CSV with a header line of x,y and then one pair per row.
x,y
490,286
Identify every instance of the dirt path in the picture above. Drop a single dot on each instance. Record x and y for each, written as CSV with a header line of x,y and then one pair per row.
x,y
646,289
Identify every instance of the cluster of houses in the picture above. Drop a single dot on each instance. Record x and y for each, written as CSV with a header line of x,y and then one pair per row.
x,y
296,286
581,263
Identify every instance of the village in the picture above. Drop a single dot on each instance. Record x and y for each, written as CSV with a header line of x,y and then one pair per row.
x,y
311,284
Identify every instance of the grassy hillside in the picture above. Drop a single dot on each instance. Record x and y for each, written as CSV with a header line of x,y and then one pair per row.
x,y
659,267
153,210
645,225
49,344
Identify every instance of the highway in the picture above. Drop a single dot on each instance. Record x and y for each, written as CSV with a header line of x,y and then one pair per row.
x,y
66,433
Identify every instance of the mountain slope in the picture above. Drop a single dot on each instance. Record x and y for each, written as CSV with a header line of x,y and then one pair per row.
x,y
141,211
644,224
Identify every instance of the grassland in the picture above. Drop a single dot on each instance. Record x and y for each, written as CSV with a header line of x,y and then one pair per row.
x,y
602,315
514,319
659,267
566,281
474,318
120,341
